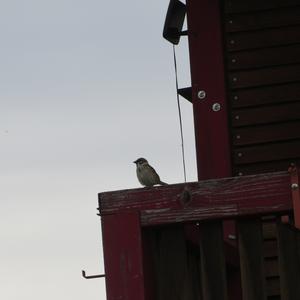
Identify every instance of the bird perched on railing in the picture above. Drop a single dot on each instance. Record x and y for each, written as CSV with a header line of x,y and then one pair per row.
x,y
146,175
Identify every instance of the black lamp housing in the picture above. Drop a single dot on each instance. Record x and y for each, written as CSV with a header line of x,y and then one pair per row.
x,y
174,22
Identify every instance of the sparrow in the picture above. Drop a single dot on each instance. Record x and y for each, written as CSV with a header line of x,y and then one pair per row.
x,y
146,175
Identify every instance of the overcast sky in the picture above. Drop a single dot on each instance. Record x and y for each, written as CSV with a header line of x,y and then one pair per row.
x,y
86,87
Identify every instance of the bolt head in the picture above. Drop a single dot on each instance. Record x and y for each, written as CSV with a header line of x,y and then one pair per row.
x,y
295,186
201,94
216,107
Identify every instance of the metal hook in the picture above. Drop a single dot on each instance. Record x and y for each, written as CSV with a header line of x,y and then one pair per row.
x,y
91,276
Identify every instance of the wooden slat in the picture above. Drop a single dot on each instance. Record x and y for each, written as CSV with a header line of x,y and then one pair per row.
x,y
261,77
273,287
269,231
123,256
270,249
263,19
268,152
289,261
263,167
213,269
271,267
171,267
236,6
265,95
266,133
263,38
265,57
266,114
251,259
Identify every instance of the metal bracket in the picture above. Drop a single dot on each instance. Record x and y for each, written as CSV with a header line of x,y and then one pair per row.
x,y
91,276
293,170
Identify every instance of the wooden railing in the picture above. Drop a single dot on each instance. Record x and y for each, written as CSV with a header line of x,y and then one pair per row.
x,y
171,242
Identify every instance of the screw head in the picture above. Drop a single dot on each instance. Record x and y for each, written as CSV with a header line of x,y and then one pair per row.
x,y
216,107
294,186
201,94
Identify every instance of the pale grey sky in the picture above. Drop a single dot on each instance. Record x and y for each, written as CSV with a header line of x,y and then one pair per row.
x,y
86,87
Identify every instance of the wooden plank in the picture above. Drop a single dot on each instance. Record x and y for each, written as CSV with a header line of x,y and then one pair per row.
x,y
270,249
207,72
211,199
266,133
269,231
263,19
261,77
251,259
264,167
235,6
271,267
267,152
171,267
266,114
123,256
266,57
265,95
273,287
263,38
213,269
289,261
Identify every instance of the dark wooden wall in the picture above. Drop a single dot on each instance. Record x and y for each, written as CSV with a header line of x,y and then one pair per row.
x,y
262,47
267,260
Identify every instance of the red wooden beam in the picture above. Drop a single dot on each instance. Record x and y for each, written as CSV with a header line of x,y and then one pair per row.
x,y
208,89
295,194
123,261
212,199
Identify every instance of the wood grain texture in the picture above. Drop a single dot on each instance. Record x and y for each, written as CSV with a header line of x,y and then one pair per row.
x,y
263,19
211,199
236,6
258,39
280,93
213,268
289,261
251,259
123,260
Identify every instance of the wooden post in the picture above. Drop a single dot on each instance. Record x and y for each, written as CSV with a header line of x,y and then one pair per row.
x,y
122,246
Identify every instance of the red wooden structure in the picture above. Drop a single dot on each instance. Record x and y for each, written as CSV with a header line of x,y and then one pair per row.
x,y
234,234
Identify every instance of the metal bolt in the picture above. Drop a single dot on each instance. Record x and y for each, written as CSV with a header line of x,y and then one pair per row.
x,y
234,79
237,117
230,21
236,97
240,174
233,60
201,94
295,186
240,154
238,137
216,107
232,236
232,42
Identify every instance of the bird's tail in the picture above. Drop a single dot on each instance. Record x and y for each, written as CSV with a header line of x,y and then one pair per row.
x,y
162,183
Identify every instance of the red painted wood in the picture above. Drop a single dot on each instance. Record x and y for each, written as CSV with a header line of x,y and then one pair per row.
x,y
295,186
207,73
123,261
263,38
263,19
235,6
212,199
265,95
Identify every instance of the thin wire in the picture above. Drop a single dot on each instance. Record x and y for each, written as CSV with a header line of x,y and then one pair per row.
x,y
179,113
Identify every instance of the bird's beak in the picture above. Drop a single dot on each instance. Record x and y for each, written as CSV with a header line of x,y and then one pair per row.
x,y
134,162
